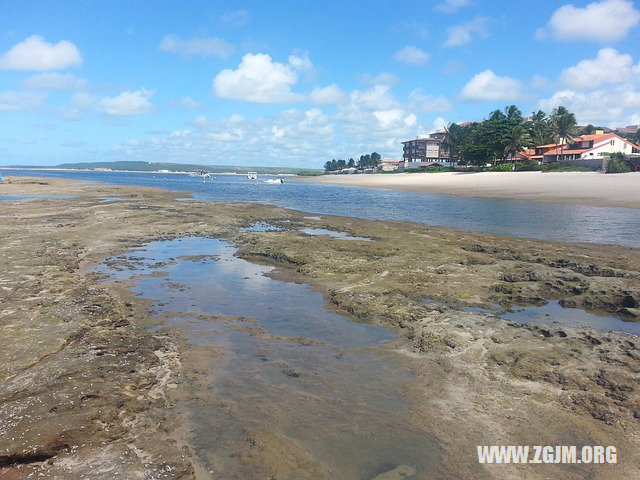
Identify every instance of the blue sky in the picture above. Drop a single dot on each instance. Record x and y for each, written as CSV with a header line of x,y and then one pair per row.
x,y
296,83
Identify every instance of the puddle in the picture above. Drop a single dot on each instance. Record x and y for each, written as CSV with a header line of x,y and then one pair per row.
x,y
117,199
312,218
554,314
299,380
261,227
333,234
8,197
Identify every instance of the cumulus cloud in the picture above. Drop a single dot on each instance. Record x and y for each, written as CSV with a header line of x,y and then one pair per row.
x,y
201,46
487,86
54,81
235,18
36,54
609,66
301,62
465,33
127,103
607,106
604,21
368,120
11,101
328,95
420,102
257,79
394,117
450,6
411,55
378,97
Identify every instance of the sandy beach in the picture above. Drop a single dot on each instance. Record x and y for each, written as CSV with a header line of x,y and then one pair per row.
x,y
585,188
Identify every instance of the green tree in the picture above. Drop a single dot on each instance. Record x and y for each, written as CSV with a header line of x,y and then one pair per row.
x,y
517,139
454,136
564,126
351,163
540,128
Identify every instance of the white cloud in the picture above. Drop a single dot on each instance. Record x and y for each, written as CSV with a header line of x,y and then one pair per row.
x,y
394,118
36,54
235,18
487,86
301,62
370,120
605,21
465,33
450,6
127,103
257,79
327,95
378,97
609,66
18,101
411,55
380,79
420,102
608,106
54,81
202,46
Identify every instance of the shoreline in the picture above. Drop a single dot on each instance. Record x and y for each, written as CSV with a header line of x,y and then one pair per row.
x,y
581,188
573,383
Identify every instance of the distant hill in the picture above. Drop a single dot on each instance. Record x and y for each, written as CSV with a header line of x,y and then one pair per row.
x,y
136,166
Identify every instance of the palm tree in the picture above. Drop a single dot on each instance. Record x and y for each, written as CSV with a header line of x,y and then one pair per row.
x,y
564,126
516,140
453,138
540,128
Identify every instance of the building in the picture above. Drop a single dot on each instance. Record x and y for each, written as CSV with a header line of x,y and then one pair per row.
x,y
427,149
389,165
584,148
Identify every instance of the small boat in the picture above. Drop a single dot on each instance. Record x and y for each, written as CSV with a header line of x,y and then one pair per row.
x,y
252,175
274,180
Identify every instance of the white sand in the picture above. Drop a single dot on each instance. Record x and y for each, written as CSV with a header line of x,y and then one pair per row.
x,y
590,188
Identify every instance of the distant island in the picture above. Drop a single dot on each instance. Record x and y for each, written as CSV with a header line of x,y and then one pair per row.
x,y
139,166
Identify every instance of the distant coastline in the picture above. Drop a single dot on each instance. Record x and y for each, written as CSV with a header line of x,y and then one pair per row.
x,y
582,188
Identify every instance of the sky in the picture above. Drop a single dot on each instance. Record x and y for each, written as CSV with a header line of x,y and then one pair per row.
x,y
296,83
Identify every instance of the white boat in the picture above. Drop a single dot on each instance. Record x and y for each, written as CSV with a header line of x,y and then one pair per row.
x,y
252,175
274,180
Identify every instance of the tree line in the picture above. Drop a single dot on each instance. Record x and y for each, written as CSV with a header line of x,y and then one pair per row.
x,y
366,161
507,132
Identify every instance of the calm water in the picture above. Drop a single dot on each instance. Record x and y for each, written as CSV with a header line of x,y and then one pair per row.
x,y
297,374
569,223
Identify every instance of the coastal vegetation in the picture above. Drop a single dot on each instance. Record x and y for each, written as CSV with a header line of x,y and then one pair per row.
x,y
366,161
617,164
505,132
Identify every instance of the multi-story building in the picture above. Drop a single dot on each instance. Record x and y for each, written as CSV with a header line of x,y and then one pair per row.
x,y
424,150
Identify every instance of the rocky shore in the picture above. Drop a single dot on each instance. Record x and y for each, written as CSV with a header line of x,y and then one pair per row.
x,y
87,391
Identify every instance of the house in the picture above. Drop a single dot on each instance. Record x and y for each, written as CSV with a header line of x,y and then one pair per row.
x,y
585,148
431,148
389,165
